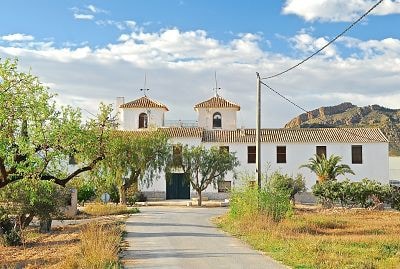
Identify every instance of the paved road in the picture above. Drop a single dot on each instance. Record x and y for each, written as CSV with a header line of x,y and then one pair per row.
x,y
179,237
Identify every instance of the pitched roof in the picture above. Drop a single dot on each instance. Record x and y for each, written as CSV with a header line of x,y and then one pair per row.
x,y
193,132
217,102
299,135
144,102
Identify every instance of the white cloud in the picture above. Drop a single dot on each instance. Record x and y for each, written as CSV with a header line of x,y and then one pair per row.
x,y
338,10
180,69
79,16
17,37
95,9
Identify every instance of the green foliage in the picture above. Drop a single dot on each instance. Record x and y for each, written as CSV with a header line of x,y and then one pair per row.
x,y
29,197
248,201
275,203
203,167
395,198
327,169
131,158
85,187
293,185
367,193
36,139
9,234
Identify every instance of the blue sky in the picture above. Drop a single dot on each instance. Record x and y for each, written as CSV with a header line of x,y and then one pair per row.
x,y
92,51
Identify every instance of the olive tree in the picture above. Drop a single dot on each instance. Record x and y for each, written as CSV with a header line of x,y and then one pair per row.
x,y
203,167
134,156
37,137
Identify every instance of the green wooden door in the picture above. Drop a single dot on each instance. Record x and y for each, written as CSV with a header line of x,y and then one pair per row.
x,y
177,187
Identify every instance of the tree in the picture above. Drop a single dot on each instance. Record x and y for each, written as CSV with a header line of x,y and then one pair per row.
x,y
28,198
37,139
203,167
327,169
134,156
291,184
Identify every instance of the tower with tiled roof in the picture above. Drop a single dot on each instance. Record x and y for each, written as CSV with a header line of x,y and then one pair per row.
x,y
217,113
141,113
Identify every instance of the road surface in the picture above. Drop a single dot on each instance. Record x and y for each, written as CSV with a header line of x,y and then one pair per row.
x,y
179,237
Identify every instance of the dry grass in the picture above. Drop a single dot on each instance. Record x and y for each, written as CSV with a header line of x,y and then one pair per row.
x,y
99,247
100,209
325,239
42,250
66,245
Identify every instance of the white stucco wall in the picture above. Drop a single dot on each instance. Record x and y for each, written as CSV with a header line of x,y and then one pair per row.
x,y
394,168
374,155
129,117
205,118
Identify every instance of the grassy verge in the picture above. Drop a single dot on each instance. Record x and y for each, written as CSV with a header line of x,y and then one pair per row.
x,y
99,209
99,246
314,238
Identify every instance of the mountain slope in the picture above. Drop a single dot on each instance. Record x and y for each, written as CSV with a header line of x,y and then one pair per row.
x,y
349,115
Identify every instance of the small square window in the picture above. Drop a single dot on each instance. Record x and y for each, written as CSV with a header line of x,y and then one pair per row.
x,y
356,154
251,154
281,154
224,186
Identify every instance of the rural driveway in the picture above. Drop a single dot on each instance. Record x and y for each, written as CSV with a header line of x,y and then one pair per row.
x,y
179,237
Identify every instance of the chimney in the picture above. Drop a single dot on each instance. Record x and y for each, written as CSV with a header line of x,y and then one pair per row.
x,y
119,101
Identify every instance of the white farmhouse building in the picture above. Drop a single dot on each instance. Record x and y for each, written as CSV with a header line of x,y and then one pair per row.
x,y
365,150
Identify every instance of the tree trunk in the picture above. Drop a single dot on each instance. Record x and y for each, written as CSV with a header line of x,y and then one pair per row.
x,y
122,195
199,198
45,225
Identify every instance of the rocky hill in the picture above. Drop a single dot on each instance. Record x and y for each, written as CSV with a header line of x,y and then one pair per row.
x,y
349,115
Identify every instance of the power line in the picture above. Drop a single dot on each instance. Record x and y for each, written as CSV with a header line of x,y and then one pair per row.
x,y
309,113
327,44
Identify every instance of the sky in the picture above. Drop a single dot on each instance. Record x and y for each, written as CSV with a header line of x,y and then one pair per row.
x,y
89,52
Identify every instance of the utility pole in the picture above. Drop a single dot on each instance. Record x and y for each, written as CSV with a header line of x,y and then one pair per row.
x,y
258,135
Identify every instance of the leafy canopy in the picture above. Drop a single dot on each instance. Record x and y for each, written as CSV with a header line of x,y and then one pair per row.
x,y
36,138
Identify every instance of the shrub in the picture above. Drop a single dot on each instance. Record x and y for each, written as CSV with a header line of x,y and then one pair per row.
x,y
367,193
284,182
271,201
275,203
9,234
31,197
136,197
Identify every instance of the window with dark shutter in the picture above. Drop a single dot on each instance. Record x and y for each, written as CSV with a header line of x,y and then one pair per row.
x,y
321,151
356,154
251,154
143,120
281,154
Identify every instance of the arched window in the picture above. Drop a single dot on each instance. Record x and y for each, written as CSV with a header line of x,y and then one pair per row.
x,y
143,120
217,120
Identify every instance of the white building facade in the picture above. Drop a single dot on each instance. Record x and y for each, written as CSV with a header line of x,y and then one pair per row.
x,y
365,150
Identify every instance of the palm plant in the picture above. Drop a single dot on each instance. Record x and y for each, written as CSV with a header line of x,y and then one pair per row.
x,y
327,169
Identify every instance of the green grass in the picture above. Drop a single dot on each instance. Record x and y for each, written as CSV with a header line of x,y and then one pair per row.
x,y
324,239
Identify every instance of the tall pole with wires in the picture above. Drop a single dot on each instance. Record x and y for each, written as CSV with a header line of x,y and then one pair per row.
x,y
258,130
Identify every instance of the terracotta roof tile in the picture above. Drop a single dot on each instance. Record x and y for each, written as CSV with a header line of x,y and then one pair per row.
x,y
195,132
303,135
144,102
217,102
